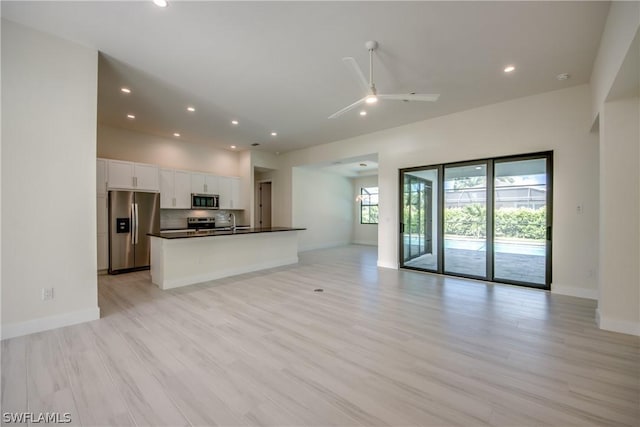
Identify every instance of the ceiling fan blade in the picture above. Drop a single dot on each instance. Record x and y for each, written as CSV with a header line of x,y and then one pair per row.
x,y
349,108
430,97
357,72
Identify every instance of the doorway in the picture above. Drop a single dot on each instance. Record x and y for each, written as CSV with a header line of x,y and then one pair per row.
x,y
419,229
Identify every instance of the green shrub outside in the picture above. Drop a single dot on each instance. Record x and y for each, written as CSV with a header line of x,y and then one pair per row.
x,y
521,223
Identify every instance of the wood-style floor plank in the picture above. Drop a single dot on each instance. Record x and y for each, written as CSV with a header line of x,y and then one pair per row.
x,y
377,347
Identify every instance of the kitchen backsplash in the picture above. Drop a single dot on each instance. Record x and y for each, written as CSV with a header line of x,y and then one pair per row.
x,y
177,218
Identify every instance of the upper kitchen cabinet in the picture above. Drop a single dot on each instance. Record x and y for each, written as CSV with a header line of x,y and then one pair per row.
x,y
230,193
204,184
133,176
147,177
175,189
101,177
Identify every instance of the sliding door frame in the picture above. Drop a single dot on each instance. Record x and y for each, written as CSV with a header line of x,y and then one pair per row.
x,y
438,220
490,215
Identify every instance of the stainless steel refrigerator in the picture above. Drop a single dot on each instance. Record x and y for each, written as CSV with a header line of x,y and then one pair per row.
x,y
132,215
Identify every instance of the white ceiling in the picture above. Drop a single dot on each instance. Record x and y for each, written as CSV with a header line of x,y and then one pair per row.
x,y
277,65
353,167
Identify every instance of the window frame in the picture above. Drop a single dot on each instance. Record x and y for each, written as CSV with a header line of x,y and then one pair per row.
x,y
362,205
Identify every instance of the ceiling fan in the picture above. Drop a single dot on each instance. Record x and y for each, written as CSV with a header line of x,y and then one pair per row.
x,y
372,96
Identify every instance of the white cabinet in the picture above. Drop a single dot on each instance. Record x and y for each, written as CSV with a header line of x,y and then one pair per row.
x,y
146,177
182,181
133,176
204,184
101,177
175,189
229,193
167,189
120,174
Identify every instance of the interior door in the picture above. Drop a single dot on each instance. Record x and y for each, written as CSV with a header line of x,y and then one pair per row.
x,y
264,205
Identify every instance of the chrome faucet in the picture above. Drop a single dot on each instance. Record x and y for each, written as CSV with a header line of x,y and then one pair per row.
x,y
233,217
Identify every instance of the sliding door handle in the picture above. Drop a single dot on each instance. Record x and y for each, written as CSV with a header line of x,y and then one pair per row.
x,y
549,233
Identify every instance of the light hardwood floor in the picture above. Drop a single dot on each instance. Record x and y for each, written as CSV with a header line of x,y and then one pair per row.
x,y
377,347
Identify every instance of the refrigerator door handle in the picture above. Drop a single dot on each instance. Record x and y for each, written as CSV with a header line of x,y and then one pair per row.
x,y
136,242
133,223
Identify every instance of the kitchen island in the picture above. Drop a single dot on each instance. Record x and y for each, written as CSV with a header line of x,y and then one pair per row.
x,y
184,258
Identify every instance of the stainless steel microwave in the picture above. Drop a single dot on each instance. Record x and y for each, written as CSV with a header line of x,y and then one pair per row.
x,y
205,201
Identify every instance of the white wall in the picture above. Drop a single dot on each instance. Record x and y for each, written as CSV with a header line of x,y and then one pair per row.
x,y
363,234
616,90
323,203
123,144
49,98
619,303
558,121
621,27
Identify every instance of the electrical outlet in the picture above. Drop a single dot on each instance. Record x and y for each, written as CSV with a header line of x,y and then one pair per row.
x,y
47,294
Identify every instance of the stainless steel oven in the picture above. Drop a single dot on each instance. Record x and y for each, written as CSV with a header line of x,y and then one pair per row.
x,y
205,201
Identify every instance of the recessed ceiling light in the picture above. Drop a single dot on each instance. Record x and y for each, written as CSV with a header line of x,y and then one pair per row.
x,y
563,76
125,90
274,133
234,122
176,134
131,116
233,146
509,69
191,109
363,113
371,99
161,3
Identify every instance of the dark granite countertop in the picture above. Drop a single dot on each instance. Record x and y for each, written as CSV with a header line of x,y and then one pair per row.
x,y
214,232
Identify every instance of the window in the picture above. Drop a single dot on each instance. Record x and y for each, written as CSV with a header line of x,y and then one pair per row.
x,y
369,205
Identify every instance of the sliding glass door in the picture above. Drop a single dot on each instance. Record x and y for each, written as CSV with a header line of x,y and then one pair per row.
x,y
419,229
490,219
521,221
465,219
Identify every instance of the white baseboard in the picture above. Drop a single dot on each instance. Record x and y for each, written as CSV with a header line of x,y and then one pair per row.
x,y
18,329
574,291
365,242
325,245
384,264
615,325
219,274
